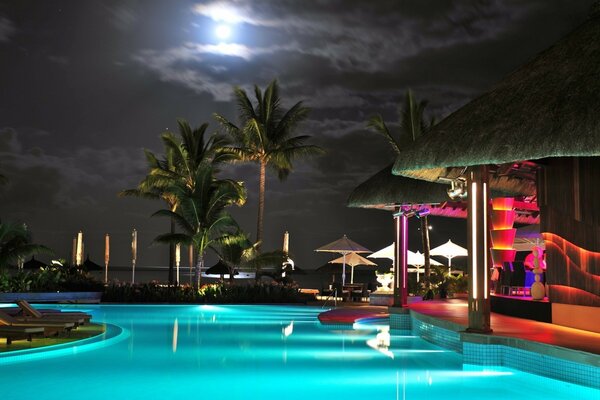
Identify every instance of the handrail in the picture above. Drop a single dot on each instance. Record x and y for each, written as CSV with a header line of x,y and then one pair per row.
x,y
334,294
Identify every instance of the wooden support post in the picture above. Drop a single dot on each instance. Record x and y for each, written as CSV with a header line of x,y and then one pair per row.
x,y
478,233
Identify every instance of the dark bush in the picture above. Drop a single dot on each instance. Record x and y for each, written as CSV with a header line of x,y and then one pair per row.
x,y
219,293
50,279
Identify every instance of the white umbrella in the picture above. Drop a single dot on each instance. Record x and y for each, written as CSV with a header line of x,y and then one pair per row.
x,y
449,250
352,259
343,246
417,260
386,252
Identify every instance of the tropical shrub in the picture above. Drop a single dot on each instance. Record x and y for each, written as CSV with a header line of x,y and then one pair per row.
x,y
218,293
151,292
49,279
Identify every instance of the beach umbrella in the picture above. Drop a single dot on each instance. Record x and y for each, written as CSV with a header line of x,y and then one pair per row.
x,y
89,265
74,251
412,257
133,254
386,252
220,268
353,260
34,264
417,260
106,256
343,246
286,243
79,249
449,250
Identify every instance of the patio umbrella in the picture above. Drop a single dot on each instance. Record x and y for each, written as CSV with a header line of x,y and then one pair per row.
x,y
343,246
220,268
449,250
34,264
352,260
89,265
79,249
388,252
417,260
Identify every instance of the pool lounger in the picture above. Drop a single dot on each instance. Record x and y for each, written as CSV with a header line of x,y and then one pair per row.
x,y
19,332
27,310
50,327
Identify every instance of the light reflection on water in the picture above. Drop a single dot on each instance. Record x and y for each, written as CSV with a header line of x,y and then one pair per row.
x,y
263,352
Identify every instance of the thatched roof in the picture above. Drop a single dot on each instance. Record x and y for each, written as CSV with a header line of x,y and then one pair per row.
x,y
546,108
386,190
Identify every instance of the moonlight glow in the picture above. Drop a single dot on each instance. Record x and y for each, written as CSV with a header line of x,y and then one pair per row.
x,y
223,31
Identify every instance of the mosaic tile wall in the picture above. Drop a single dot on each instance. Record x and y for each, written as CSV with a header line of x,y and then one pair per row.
x,y
499,354
400,322
442,337
535,363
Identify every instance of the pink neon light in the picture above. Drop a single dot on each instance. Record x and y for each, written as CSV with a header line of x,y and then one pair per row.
x,y
404,249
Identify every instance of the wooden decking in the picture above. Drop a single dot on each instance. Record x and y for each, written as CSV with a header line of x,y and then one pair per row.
x,y
455,310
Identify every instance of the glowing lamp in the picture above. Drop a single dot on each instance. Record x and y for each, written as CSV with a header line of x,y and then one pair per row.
x,y
503,239
500,256
503,219
503,203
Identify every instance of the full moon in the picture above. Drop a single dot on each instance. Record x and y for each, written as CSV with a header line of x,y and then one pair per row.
x,y
223,31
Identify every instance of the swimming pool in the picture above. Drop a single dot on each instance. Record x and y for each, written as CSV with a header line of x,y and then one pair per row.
x,y
260,352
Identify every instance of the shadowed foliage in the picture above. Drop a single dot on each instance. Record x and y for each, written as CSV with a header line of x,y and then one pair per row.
x,y
183,156
15,244
201,213
264,135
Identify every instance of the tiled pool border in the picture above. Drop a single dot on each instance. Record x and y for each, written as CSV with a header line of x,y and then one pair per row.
x,y
486,350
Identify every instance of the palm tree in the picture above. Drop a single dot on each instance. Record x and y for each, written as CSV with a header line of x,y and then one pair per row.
x,y
15,244
238,252
412,126
264,136
179,164
201,213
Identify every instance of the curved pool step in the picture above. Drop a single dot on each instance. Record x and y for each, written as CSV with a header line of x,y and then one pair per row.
x,y
349,316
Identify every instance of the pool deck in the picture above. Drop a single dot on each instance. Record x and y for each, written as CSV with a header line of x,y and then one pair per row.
x,y
455,312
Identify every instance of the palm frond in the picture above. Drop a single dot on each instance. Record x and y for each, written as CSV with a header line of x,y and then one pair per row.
x,y
245,108
290,120
377,123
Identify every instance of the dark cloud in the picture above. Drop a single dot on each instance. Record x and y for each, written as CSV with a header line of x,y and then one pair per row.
x,y
7,29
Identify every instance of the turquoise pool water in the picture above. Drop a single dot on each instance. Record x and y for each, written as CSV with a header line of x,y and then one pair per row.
x,y
258,352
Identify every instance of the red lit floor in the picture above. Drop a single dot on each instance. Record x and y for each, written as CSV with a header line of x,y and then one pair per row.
x,y
455,310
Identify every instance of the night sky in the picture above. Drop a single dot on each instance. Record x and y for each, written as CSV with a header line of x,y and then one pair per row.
x,y
86,85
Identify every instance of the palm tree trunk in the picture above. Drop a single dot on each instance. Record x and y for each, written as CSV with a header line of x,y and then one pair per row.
x,y
198,270
171,255
261,203
425,242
